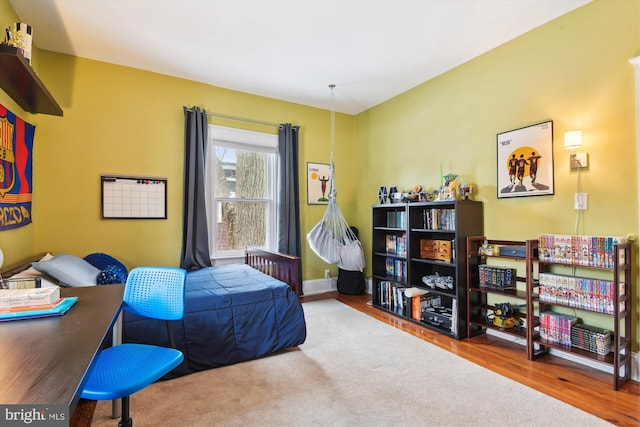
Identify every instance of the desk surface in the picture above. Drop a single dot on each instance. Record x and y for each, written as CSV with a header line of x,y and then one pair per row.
x,y
44,361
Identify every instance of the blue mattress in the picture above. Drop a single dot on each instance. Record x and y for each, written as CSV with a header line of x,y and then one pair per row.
x,y
233,313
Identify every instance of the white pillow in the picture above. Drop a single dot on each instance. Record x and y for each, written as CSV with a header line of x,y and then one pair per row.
x,y
69,269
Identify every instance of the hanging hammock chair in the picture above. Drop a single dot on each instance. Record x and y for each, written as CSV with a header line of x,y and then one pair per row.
x,y
332,239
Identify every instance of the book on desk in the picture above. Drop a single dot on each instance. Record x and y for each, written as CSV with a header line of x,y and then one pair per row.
x,y
60,308
32,303
14,298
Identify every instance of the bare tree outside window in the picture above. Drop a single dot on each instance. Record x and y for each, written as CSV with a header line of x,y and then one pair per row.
x,y
242,206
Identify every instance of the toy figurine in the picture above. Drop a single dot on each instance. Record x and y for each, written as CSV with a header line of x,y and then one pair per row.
x,y
466,190
447,191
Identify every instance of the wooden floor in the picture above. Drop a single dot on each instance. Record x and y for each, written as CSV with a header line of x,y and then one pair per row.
x,y
583,387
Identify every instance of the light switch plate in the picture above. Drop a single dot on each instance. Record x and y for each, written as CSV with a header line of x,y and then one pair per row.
x,y
580,201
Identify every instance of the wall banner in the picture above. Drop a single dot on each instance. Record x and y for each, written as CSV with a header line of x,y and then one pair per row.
x,y
16,154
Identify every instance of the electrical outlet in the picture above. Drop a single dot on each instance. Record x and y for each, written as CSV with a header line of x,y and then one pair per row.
x,y
580,201
327,273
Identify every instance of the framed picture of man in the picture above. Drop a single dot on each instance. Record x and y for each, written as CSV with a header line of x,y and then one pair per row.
x,y
318,176
525,161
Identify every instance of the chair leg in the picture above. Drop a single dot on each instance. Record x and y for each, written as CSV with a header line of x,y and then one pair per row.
x,y
172,341
125,420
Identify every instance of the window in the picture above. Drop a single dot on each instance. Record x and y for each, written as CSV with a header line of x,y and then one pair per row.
x,y
242,188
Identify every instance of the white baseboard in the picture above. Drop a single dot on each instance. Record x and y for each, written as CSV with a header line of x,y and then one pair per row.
x,y
368,284
319,286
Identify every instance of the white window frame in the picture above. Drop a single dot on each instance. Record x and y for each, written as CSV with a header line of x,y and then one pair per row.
x,y
246,140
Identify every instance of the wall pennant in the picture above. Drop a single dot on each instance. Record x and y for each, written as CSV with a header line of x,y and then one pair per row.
x,y
16,167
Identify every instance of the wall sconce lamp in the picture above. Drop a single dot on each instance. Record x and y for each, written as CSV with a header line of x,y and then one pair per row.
x,y
573,140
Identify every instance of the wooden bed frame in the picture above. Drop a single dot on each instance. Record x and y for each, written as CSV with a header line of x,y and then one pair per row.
x,y
277,265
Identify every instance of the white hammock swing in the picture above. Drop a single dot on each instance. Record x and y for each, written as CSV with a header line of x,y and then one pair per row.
x,y
332,239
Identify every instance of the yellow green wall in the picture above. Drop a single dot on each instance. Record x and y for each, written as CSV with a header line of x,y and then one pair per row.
x,y
574,71
127,121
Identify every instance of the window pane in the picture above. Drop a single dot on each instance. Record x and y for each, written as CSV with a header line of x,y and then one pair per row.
x,y
241,224
240,173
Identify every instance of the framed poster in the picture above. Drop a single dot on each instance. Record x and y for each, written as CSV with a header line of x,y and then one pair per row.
x,y
525,161
318,176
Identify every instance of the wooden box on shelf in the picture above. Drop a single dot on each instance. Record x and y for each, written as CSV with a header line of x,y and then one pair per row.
x,y
435,249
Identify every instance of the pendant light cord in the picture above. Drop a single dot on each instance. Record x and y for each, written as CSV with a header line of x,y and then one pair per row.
x,y
332,187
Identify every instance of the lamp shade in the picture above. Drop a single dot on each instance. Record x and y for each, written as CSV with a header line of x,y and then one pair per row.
x,y
573,139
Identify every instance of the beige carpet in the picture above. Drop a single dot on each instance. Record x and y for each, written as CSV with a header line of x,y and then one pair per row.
x,y
352,371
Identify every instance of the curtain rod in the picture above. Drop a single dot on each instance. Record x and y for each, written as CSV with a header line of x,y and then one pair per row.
x,y
240,119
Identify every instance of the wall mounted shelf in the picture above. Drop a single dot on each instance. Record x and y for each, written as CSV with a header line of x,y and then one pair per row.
x,y
22,84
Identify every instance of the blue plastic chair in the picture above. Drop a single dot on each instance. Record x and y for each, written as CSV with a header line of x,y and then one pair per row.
x,y
119,371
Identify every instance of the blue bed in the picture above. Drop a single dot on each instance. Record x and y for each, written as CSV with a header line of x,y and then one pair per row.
x,y
233,313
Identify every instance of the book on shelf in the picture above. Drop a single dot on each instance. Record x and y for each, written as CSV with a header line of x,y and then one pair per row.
x,y
390,243
396,268
401,245
392,296
590,251
580,292
496,277
454,316
12,298
556,327
439,219
396,245
397,219
591,338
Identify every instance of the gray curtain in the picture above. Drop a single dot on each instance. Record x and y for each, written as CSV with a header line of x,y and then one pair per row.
x,y
289,193
195,232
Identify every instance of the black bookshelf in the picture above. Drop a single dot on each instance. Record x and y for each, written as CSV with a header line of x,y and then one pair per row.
x,y
421,246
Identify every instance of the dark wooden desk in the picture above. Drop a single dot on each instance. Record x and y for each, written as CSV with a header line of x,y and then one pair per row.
x,y
44,361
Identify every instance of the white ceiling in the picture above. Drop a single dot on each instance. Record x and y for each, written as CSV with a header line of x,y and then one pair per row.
x,y
291,50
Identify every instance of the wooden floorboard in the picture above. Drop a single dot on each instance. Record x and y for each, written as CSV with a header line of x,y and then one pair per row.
x,y
581,386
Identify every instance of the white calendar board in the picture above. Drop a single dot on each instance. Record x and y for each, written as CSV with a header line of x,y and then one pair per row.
x,y
134,197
